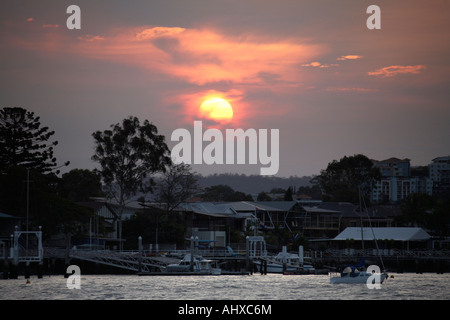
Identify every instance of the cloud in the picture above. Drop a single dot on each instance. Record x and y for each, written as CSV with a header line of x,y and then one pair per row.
x,y
197,56
316,64
91,38
350,57
50,26
156,32
349,89
392,71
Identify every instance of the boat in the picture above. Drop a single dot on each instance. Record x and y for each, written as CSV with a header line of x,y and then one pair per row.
x,y
286,262
193,264
352,274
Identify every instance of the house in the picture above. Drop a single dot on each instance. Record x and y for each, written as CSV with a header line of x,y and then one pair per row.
x,y
103,230
318,223
285,214
211,222
376,216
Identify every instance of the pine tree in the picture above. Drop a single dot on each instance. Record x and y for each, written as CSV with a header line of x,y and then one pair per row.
x,y
23,142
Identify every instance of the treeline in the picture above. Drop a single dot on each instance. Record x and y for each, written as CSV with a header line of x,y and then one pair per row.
x,y
253,184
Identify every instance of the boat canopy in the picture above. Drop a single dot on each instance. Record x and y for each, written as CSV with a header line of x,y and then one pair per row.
x,y
351,268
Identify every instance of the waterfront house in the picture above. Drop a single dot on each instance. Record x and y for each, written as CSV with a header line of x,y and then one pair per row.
x,y
103,229
211,222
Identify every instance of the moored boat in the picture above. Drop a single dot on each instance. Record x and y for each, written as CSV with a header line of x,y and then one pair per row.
x,y
194,264
352,274
288,263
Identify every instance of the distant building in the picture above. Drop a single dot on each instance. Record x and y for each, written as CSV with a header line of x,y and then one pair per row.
x,y
397,183
440,174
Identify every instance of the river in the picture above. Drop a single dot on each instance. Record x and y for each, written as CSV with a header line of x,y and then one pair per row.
x,y
406,286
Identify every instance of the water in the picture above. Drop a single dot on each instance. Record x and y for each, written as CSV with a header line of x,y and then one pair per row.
x,y
405,286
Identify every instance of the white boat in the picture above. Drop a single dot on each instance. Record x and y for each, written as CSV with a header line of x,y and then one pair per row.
x,y
286,262
357,277
351,274
196,265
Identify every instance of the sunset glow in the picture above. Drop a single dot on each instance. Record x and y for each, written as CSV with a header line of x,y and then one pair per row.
x,y
312,69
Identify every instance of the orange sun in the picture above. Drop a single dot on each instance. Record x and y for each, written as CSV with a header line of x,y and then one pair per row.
x,y
216,109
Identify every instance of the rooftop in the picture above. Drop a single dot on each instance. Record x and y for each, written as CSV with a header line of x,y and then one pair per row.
x,y
398,234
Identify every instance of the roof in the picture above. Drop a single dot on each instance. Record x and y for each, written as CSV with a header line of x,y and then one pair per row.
x,y
238,209
275,205
348,209
8,216
392,160
320,210
209,208
398,234
441,159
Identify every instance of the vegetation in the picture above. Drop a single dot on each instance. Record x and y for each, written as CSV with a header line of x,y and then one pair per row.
x,y
24,142
426,211
342,180
128,154
218,193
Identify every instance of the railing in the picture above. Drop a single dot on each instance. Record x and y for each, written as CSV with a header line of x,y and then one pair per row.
x,y
394,253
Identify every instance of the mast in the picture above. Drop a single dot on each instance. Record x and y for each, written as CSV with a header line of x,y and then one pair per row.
x,y
360,214
374,238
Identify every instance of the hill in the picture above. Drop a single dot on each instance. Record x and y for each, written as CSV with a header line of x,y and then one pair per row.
x,y
252,184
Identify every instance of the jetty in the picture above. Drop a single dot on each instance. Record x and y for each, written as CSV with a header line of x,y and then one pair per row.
x,y
25,260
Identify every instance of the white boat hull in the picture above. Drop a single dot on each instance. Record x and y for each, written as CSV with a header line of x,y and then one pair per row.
x,y
199,266
361,278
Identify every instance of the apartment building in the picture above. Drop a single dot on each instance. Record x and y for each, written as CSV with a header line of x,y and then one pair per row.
x,y
397,183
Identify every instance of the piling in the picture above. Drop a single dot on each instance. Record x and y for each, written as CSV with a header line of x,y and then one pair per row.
x,y
40,270
27,270
140,254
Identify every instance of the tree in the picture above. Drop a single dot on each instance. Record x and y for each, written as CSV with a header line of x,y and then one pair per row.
x,y
176,185
288,195
46,208
416,209
239,196
342,180
79,185
426,211
218,192
262,196
128,155
23,142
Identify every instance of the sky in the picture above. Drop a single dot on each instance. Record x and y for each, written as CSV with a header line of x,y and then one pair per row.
x,y
312,70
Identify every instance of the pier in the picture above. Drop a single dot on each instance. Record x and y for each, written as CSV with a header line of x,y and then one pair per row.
x,y
38,260
26,250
